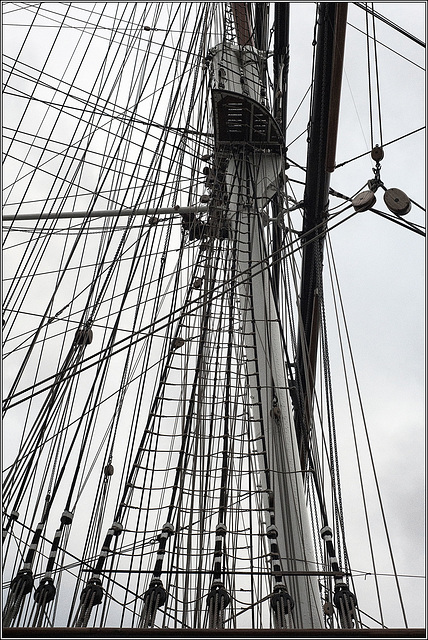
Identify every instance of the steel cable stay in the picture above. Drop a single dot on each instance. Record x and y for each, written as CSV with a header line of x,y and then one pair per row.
x,y
343,598
313,463
90,151
40,73
139,377
181,472
379,16
56,121
88,163
218,287
389,48
79,312
330,260
125,339
113,117
54,398
65,519
23,581
406,224
40,327
102,195
145,28
35,14
347,341
158,395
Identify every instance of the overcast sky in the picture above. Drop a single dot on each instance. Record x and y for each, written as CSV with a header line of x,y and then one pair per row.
x,y
381,271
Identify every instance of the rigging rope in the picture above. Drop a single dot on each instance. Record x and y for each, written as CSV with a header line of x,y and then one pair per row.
x,y
196,492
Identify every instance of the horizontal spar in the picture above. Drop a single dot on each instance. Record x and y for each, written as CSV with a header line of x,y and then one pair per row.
x,y
104,213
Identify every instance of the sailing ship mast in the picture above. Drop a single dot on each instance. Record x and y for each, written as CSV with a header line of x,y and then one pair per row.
x,y
323,125
187,554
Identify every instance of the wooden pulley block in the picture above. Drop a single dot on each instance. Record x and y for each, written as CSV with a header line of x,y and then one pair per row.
x,y
377,153
177,343
397,201
197,283
364,201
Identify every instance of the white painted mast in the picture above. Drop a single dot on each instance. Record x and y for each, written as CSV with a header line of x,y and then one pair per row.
x,y
236,68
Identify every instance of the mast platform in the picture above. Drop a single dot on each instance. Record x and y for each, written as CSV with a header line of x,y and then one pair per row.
x,y
241,120
98,632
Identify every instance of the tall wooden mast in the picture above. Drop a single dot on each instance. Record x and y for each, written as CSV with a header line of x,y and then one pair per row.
x,y
320,163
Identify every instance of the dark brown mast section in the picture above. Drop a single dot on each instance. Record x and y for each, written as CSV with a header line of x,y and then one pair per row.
x,y
320,163
242,20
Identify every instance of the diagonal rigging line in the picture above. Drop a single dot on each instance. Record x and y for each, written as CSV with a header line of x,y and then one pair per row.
x,y
68,568
105,194
151,94
129,120
366,153
379,16
146,96
119,551
178,311
65,151
118,30
195,308
369,445
105,156
68,319
402,223
389,48
110,108
164,321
